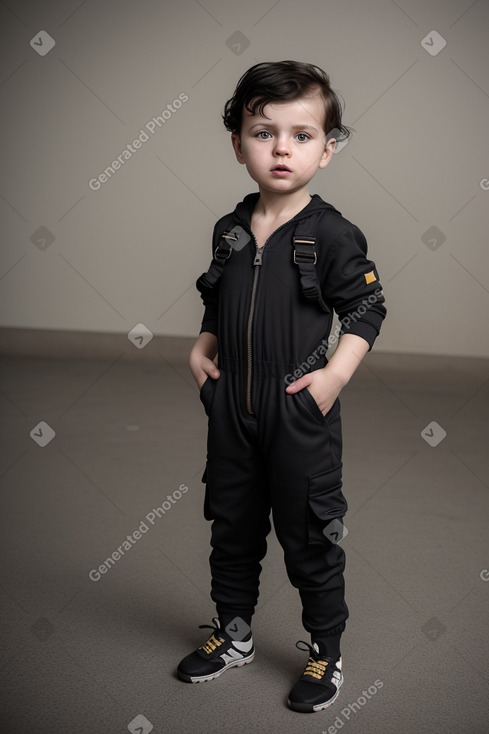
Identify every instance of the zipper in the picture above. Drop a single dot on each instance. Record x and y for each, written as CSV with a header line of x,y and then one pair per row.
x,y
249,332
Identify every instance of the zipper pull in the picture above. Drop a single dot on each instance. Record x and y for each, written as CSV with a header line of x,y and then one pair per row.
x,y
258,256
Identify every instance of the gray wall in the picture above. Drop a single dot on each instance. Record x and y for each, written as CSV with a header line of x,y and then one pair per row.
x,y
130,251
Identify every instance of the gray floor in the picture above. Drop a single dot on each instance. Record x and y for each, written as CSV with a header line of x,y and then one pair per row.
x,y
82,656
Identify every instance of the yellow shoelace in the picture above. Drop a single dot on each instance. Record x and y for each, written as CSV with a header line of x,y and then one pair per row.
x,y
211,644
315,668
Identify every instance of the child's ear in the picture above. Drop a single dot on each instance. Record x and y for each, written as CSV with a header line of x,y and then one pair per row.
x,y
236,141
329,146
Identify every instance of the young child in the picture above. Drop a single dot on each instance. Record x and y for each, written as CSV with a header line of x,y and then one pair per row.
x,y
283,261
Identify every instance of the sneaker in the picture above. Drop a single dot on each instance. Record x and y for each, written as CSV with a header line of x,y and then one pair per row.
x,y
218,654
319,685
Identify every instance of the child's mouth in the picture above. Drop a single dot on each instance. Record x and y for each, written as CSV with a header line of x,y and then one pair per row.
x,y
281,170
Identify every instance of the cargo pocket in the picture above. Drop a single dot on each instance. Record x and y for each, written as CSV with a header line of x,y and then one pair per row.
x,y
206,394
326,503
207,510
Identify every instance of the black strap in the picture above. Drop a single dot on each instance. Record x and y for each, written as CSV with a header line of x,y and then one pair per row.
x,y
222,253
305,257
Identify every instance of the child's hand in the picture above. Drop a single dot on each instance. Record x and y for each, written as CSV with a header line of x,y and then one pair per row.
x,y
326,383
200,361
324,386
203,368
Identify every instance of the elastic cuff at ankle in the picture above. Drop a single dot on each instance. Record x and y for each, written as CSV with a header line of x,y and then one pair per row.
x,y
329,647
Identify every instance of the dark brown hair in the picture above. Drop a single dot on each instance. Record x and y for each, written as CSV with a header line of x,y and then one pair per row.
x,y
277,81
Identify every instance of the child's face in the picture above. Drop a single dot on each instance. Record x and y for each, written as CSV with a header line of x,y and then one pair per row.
x,y
282,153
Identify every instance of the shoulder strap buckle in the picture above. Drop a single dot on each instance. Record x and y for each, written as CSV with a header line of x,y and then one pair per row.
x,y
304,251
305,257
225,247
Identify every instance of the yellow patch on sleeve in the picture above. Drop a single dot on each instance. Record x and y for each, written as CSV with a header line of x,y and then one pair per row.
x,y
370,277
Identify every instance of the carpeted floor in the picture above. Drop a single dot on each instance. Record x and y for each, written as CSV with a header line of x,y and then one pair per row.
x,y
88,651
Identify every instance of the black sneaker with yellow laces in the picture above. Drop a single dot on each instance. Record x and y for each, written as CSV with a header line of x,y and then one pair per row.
x,y
226,648
319,685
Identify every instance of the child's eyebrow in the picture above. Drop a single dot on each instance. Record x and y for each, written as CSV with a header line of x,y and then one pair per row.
x,y
293,127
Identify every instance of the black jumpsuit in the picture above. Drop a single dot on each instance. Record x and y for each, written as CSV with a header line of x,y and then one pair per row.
x,y
268,450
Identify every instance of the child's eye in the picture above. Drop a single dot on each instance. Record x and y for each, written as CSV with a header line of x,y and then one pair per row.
x,y
263,133
302,137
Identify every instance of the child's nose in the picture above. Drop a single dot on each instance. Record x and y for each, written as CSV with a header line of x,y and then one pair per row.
x,y
282,146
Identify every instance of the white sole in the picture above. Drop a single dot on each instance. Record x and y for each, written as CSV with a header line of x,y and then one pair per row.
x,y
320,706
212,676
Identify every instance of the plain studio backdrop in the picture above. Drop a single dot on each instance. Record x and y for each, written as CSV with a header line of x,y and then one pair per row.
x,y
85,254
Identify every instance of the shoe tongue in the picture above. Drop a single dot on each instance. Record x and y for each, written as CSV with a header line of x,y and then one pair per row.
x,y
315,647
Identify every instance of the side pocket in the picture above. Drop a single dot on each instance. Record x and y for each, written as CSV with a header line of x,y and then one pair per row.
x,y
206,394
207,510
307,400
326,502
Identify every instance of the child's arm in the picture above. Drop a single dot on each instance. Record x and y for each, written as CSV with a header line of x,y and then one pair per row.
x,y
202,356
355,294
325,384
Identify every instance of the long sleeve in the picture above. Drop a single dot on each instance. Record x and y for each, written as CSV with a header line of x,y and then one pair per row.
x,y
351,285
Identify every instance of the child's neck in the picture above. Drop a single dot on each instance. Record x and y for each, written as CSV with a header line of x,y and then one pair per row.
x,y
272,206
